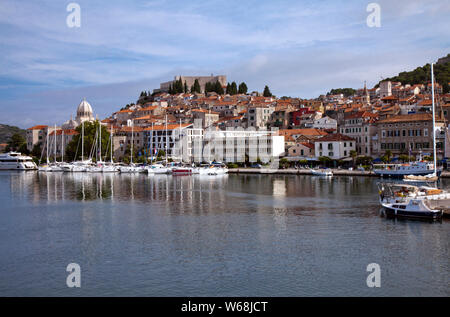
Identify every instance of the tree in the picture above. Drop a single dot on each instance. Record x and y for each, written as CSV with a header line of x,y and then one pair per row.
x,y
197,87
325,160
73,149
267,92
218,88
185,87
233,88
160,154
37,150
242,88
388,155
353,155
16,142
284,163
228,90
404,158
364,160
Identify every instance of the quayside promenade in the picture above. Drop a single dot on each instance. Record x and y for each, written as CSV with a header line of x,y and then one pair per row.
x,y
336,172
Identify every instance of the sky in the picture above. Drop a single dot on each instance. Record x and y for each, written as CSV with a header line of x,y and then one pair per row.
x,y
297,48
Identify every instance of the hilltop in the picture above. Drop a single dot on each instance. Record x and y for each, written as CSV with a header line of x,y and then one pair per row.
x,y
6,131
422,75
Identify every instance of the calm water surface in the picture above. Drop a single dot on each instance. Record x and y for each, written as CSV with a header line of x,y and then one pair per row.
x,y
231,235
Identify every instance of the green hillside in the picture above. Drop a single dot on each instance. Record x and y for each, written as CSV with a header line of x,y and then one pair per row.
x,y
6,131
422,75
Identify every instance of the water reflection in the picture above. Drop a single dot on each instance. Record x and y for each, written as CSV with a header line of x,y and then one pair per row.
x,y
241,235
201,192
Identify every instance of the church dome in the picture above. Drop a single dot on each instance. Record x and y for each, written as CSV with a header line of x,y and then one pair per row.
x,y
84,112
84,108
69,124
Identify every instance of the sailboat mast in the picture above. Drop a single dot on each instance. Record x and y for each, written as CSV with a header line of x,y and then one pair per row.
x,y
82,141
100,139
151,145
132,138
181,149
62,145
46,141
434,119
167,138
54,151
111,138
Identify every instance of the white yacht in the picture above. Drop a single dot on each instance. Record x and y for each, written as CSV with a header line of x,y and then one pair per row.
x,y
16,161
401,170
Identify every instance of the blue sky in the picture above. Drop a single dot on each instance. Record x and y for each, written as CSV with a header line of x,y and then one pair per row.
x,y
298,48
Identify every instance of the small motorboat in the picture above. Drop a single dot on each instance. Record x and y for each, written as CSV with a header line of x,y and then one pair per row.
x,y
404,200
182,170
321,172
421,178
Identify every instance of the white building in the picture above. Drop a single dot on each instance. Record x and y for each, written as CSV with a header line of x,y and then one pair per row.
x,y
237,145
385,89
335,146
325,123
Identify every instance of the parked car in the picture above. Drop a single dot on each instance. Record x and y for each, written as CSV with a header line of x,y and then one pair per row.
x,y
256,166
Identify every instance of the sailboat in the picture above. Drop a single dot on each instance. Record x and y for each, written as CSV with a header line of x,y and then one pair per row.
x,y
432,177
55,167
110,168
80,166
46,167
98,167
403,200
131,168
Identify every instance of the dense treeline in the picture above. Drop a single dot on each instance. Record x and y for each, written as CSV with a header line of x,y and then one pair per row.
x,y
345,91
422,75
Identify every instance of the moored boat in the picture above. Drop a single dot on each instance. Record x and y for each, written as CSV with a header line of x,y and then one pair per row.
x,y
321,172
403,200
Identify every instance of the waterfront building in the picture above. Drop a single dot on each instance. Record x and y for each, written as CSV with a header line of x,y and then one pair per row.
x,y
239,145
335,146
412,133
301,151
167,138
361,126
123,137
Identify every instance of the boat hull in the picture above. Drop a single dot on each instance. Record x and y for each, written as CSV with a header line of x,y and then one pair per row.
x,y
397,212
400,175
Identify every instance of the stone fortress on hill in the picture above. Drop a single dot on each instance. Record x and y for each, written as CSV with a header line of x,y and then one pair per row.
x,y
189,80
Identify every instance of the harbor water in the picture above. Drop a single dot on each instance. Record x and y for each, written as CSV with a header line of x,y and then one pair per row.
x,y
229,235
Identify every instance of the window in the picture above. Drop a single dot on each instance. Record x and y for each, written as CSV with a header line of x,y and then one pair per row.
x,y
330,146
330,154
425,132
